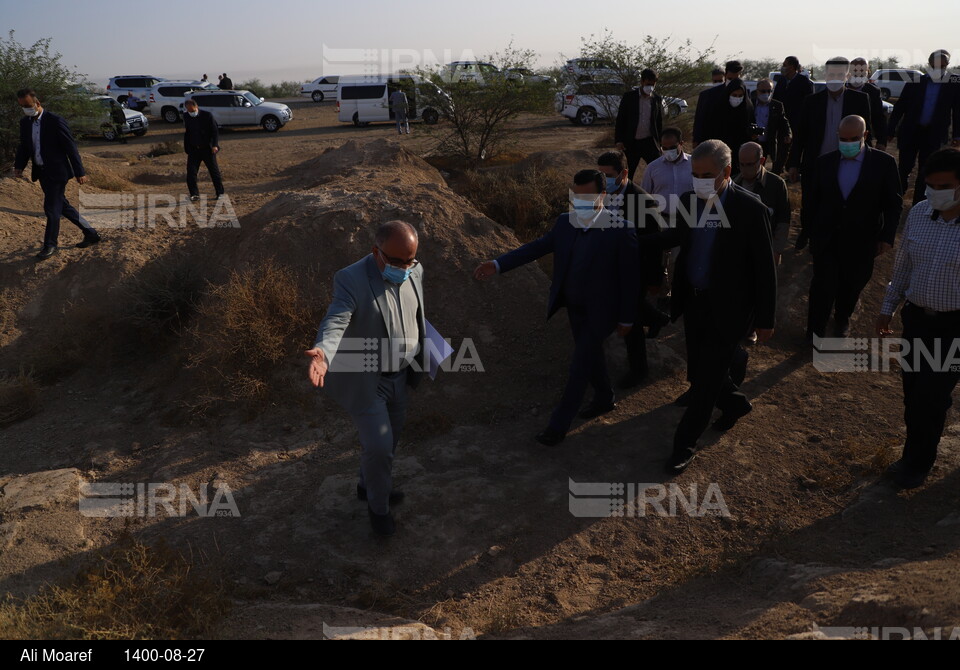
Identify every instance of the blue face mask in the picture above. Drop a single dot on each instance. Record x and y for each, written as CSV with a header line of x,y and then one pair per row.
x,y
394,274
612,185
850,149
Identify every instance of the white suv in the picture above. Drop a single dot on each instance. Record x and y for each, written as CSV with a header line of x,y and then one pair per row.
x,y
321,88
591,101
165,98
891,82
590,69
241,108
138,84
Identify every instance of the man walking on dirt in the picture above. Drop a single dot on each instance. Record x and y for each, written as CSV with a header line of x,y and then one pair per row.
x,y
378,303
201,141
46,141
400,106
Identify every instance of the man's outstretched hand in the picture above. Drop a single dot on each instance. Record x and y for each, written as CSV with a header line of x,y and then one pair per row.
x,y
485,271
318,367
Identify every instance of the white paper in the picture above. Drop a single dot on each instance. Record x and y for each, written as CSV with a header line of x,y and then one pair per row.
x,y
438,350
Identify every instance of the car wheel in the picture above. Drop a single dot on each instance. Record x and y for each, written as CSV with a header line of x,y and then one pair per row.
x,y
317,96
673,110
587,116
885,93
109,132
170,114
431,117
271,124
357,122
139,133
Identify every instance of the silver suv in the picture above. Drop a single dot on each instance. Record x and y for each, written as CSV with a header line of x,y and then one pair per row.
x,y
138,84
241,108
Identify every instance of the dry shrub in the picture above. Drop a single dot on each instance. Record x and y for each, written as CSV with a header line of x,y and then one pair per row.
x,y
163,297
135,592
19,397
527,200
245,329
167,148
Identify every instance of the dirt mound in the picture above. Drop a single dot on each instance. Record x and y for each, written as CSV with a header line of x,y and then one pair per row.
x,y
381,160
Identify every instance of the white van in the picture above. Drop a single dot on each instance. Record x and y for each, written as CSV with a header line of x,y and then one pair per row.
x,y
365,99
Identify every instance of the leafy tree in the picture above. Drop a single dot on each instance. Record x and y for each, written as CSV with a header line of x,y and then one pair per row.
x,y
59,88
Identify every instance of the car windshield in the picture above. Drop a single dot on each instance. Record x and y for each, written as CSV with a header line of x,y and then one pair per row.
x,y
252,98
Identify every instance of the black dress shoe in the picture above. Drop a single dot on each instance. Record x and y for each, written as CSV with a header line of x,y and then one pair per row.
x,y
89,241
684,399
904,477
595,409
382,524
728,420
633,379
194,198
46,253
653,331
680,460
396,497
550,437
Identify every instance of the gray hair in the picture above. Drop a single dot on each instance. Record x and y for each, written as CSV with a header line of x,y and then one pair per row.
x,y
713,149
390,229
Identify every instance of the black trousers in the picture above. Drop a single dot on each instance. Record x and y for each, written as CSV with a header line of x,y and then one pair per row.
x,y
841,270
55,206
208,158
646,149
927,392
916,151
711,352
636,340
588,367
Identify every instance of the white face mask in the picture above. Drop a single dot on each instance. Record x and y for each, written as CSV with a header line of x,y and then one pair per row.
x,y
672,155
835,85
935,73
29,111
735,101
858,81
584,208
194,113
705,188
942,201
764,97
648,90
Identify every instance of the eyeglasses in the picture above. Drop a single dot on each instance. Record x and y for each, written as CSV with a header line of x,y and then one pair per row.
x,y
399,262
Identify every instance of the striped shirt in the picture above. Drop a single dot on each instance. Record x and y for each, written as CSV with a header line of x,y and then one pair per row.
x,y
927,269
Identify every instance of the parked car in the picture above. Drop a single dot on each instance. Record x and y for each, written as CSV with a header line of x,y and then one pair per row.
x,y
476,72
165,98
241,108
529,76
365,99
590,69
138,84
591,101
102,124
891,82
321,88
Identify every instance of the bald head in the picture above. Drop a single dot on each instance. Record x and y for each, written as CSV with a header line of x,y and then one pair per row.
x,y
853,125
396,244
751,160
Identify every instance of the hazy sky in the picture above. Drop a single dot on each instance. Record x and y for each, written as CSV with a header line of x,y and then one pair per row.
x,y
300,39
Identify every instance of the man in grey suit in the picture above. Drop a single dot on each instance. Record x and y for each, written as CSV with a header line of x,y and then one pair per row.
x,y
369,348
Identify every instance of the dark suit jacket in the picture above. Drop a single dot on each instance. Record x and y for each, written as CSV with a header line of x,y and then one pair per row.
x,y
226,84
905,117
792,94
200,133
743,278
878,117
809,132
641,214
871,213
778,127
705,122
628,117
58,149
613,277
